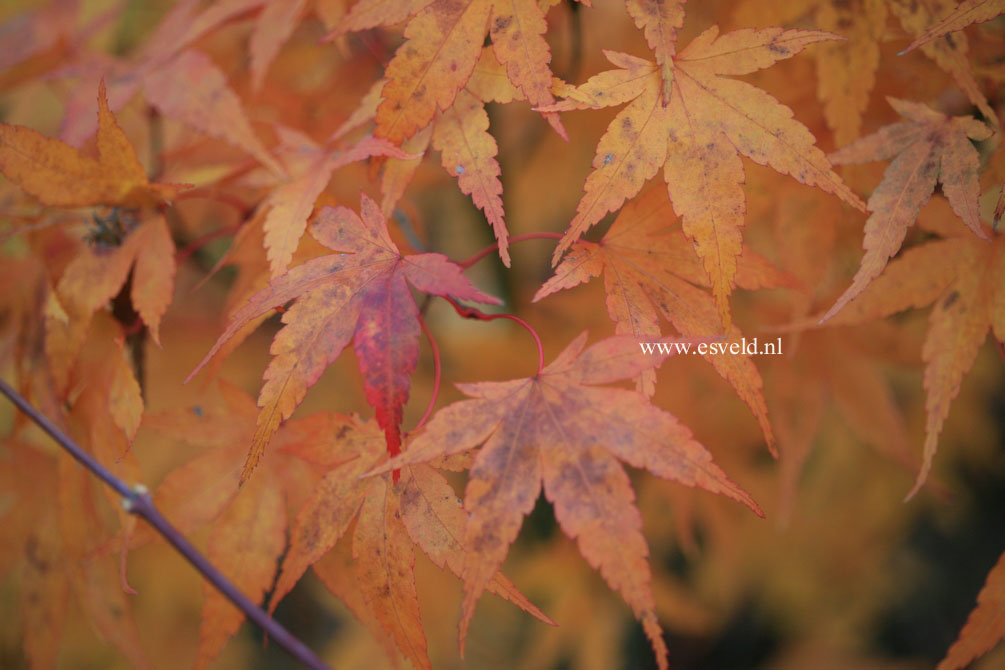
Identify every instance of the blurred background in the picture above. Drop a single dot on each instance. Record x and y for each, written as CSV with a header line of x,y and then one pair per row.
x,y
841,574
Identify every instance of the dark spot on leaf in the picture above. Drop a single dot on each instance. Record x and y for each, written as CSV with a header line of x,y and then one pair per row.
x,y
409,498
950,299
309,535
484,542
501,23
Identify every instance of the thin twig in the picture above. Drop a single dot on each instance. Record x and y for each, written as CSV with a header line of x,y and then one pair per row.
x,y
472,313
137,501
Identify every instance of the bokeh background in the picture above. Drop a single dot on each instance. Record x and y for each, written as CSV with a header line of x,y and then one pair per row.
x,y
841,574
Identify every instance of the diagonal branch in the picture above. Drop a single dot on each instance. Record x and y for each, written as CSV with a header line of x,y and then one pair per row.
x,y
137,501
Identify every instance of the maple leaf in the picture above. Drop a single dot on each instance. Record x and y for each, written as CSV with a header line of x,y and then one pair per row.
x,y
180,84
97,274
966,13
366,15
274,26
469,151
100,417
248,538
421,508
31,535
698,139
358,294
247,524
59,175
845,370
964,277
985,626
950,53
846,72
559,428
659,21
27,34
929,147
290,205
41,39
460,133
192,89
52,545
443,42
650,269
839,370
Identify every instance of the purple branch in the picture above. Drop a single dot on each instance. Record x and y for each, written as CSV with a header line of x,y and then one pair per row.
x,y
138,501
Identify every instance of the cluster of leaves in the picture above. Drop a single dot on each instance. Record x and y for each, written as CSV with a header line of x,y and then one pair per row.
x,y
94,217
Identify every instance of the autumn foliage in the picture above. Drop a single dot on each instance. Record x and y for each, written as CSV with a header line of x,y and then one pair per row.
x,y
354,284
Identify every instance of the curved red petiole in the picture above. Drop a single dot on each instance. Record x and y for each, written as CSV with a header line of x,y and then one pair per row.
x,y
516,238
472,313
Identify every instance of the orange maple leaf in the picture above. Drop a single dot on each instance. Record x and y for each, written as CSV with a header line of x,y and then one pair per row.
x,y
846,72
275,25
698,139
460,133
358,294
184,85
965,278
929,147
985,626
192,89
966,13
247,524
443,42
559,428
32,537
59,175
290,205
649,269
97,275
420,509
659,21
950,54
